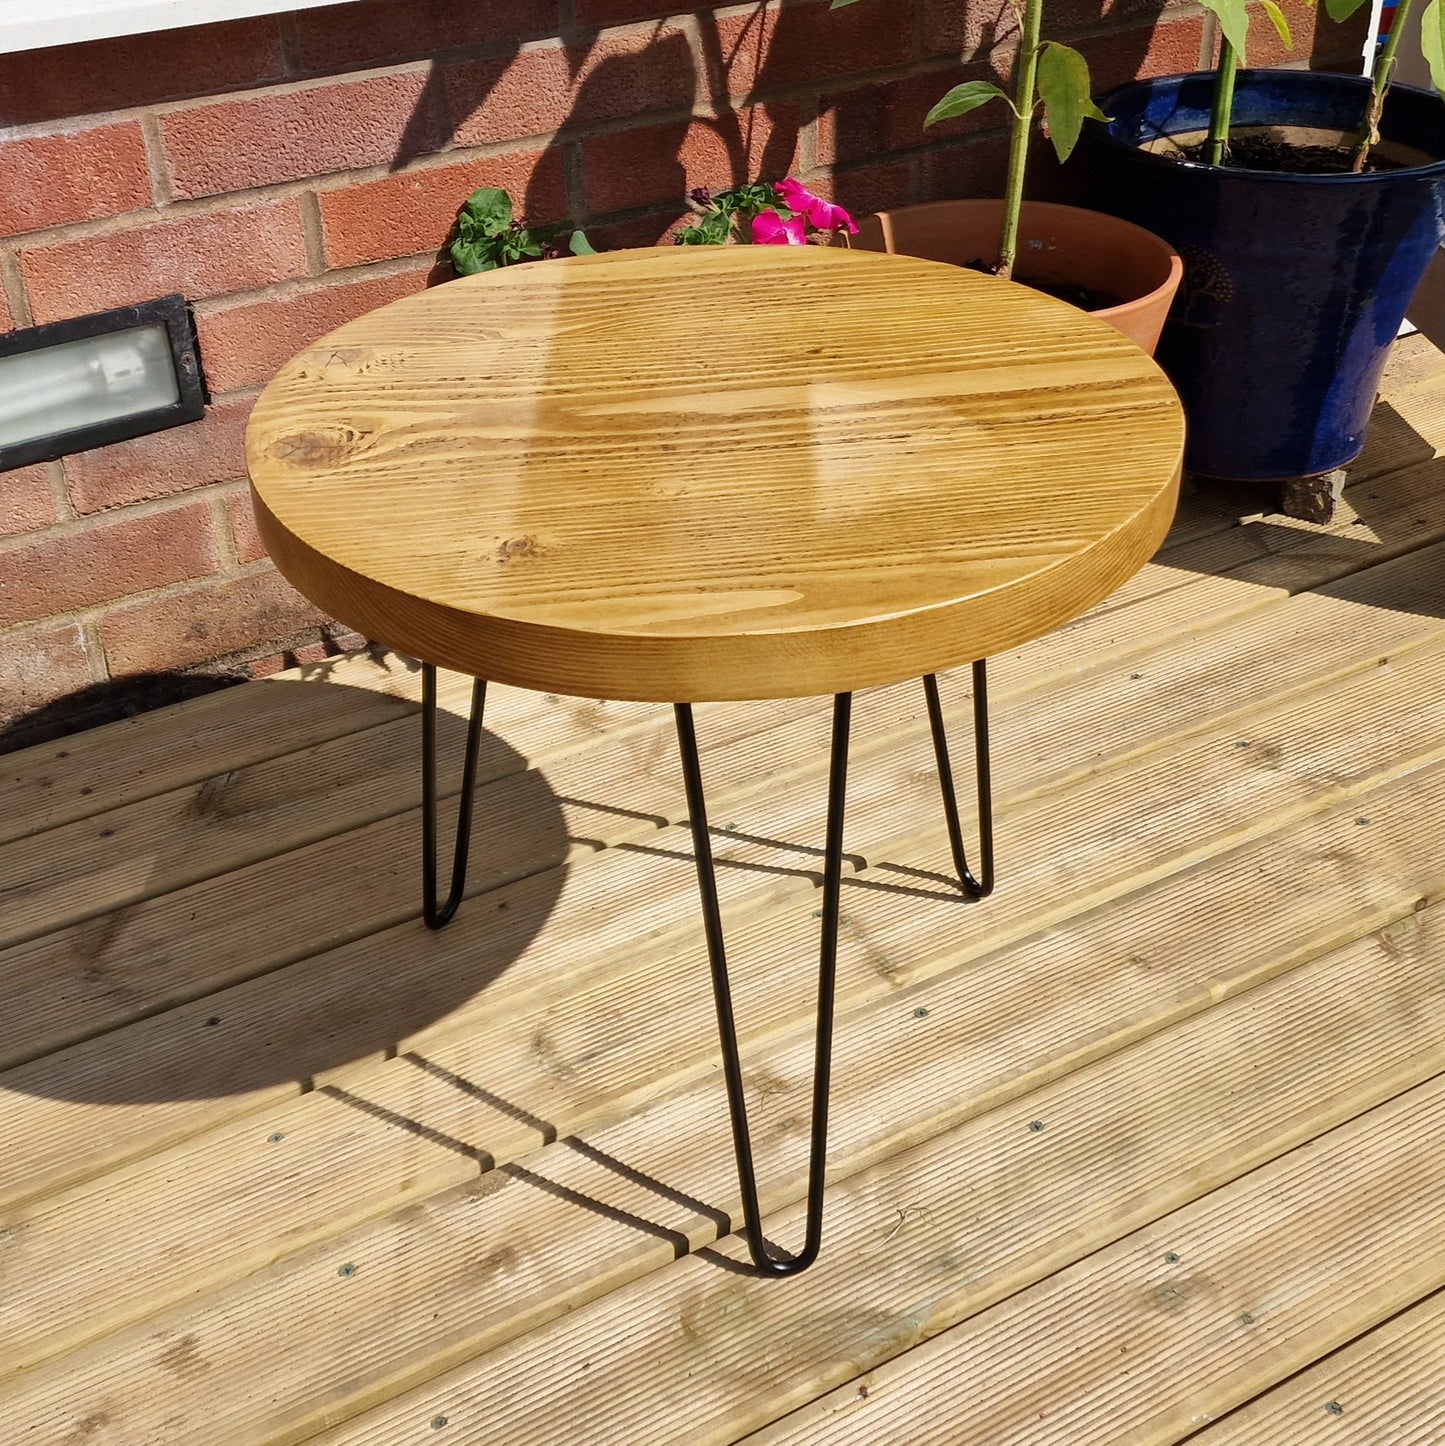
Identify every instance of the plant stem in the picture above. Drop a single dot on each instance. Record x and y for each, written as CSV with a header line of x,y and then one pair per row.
x,y
1223,103
1379,85
1025,71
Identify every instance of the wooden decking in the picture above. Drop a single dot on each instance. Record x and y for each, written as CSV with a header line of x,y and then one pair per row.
x,y
1148,1147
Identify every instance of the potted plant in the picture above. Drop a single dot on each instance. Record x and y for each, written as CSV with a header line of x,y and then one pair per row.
x,y
1121,272
1306,206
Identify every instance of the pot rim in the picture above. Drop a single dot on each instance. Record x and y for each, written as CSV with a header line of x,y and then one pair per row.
x,y
1103,136
1108,221
1174,264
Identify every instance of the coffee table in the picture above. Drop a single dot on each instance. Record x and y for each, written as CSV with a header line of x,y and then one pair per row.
x,y
700,474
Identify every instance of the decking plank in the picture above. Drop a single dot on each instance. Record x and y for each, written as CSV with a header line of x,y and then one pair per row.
x,y
1086,871
116,859
463,1272
1180,1322
56,783
189,743
1386,1387
172,1054
953,1225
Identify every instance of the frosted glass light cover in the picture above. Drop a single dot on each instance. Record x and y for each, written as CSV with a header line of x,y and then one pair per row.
x,y
81,383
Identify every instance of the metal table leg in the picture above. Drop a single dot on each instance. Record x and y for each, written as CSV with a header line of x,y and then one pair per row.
x,y
435,917
764,1258
978,886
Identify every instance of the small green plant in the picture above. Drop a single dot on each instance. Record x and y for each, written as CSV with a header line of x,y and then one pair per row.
x,y
489,236
1047,77
1432,43
1233,17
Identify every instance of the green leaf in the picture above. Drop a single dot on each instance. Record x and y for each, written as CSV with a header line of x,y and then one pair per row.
x,y
839,4
712,230
1342,9
962,99
1281,25
579,245
1432,42
1233,17
1063,80
469,258
490,209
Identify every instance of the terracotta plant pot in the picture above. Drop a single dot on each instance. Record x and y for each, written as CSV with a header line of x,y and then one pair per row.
x,y
1058,245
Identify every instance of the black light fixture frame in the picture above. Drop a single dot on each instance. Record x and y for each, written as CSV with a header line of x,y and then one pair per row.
x,y
170,311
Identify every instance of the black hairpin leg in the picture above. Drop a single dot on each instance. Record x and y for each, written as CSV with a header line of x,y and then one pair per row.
x,y
978,886
763,1257
436,917
982,885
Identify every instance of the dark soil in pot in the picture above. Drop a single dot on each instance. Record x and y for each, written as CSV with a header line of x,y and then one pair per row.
x,y
1266,152
1086,298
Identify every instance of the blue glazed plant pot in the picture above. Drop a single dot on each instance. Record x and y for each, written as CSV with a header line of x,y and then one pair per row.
x,y
1294,285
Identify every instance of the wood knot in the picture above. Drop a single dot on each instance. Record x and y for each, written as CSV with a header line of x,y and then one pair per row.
x,y
318,446
517,547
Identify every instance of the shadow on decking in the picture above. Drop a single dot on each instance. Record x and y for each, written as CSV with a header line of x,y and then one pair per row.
x,y
719,1220
1395,503
362,971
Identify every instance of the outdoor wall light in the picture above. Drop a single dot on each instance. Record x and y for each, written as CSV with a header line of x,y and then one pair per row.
x,y
72,385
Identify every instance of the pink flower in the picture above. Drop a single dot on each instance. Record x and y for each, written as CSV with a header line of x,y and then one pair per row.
x,y
821,214
769,229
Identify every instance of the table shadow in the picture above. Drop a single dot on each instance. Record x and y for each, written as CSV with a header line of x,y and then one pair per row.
x,y
301,961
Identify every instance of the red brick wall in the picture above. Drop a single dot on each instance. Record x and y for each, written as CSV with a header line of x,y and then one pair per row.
x,y
289,172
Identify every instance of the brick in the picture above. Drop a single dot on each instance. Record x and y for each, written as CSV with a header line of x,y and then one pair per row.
x,y
657,164
973,31
197,454
344,37
249,547
973,167
868,188
800,44
1167,48
236,249
1265,46
72,176
86,566
654,229
541,90
135,70
227,615
621,12
26,501
7,317
862,124
414,211
244,346
283,136
36,669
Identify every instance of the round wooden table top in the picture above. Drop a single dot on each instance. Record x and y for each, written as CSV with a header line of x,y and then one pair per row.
x,y
693,473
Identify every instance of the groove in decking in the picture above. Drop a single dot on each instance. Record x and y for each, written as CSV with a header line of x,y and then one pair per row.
x,y
1218,797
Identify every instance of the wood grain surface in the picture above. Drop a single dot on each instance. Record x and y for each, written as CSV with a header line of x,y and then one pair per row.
x,y
689,474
